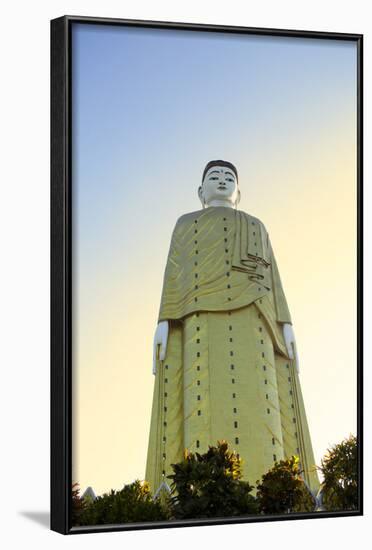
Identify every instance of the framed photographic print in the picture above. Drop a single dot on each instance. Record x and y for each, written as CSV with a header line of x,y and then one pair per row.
x,y
206,274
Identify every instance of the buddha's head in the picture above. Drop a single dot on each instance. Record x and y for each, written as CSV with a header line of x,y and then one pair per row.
x,y
219,184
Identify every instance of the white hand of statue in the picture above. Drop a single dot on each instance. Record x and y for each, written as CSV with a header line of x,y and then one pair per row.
x,y
160,343
290,343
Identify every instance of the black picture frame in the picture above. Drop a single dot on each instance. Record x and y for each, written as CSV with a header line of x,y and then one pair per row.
x,y
61,267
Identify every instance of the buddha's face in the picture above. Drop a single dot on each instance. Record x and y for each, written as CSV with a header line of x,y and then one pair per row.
x,y
219,184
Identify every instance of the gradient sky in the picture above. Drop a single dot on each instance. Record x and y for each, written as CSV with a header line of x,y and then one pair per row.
x,y
150,108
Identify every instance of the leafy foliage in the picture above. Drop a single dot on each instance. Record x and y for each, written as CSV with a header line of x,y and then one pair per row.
x,y
209,485
340,471
282,489
78,504
131,504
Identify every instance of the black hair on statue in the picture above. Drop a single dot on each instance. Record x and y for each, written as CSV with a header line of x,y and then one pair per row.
x,y
225,163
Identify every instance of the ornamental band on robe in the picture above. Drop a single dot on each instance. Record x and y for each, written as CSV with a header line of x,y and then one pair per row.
x,y
226,374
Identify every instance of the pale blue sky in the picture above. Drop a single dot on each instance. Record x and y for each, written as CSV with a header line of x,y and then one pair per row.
x,y
152,106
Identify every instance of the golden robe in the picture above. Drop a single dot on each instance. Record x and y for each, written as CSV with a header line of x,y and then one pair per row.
x,y
226,374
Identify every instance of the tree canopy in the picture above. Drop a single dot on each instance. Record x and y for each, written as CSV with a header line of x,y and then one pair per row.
x,y
130,504
340,470
209,485
282,489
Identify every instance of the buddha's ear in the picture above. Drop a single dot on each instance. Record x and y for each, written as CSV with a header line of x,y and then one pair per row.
x,y
200,194
238,198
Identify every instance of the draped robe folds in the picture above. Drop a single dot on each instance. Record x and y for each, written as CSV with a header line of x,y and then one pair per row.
x,y
226,374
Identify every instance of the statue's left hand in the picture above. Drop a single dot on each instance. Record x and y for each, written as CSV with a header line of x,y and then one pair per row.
x,y
290,343
160,343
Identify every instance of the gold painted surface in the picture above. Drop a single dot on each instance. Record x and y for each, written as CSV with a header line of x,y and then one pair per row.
x,y
224,379
226,374
219,259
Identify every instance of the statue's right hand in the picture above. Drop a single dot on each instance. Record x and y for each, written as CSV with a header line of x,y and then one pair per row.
x,y
160,343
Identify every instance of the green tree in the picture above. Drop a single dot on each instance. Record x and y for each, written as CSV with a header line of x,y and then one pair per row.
x,y
209,485
340,470
130,504
282,489
78,504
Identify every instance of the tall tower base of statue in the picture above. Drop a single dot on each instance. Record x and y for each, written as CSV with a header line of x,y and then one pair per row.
x,y
225,378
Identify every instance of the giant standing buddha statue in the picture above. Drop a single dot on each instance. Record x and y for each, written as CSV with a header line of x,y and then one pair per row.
x,y
225,358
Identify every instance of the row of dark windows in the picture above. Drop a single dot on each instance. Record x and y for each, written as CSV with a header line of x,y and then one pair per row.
x,y
234,397
292,405
165,422
196,263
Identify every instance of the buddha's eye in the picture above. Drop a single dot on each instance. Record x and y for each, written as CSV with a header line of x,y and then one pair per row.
x,y
230,179
213,178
